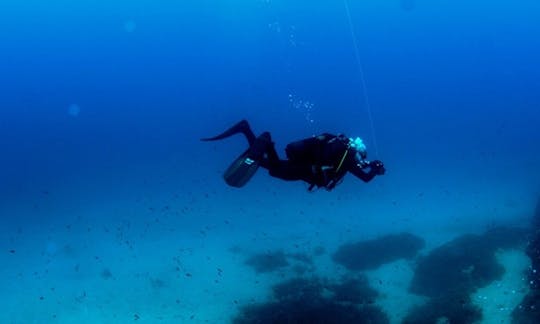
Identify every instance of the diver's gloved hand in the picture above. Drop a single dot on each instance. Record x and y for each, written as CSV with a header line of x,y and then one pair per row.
x,y
377,167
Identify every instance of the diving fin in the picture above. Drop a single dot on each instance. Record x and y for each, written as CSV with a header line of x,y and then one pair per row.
x,y
240,127
245,166
241,170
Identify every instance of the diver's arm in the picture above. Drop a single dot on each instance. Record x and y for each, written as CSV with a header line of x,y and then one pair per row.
x,y
361,174
375,168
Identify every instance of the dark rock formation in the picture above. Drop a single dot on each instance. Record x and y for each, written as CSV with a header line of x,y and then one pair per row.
x,y
528,311
445,309
462,265
303,300
354,290
451,272
267,262
271,261
374,253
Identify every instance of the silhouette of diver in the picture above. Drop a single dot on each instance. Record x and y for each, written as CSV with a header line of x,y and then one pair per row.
x,y
322,161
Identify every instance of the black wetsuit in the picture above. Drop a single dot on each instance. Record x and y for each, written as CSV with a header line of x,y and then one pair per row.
x,y
321,161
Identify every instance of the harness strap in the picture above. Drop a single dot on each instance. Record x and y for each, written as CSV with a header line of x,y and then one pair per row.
x,y
343,158
332,183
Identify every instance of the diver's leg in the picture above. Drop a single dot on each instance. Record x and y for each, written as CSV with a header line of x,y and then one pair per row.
x,y
240,127
261,146
277,168
271,154
245,166
263,150
287,170
262,153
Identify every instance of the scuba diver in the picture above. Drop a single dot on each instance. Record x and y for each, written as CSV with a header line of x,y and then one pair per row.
x,y
322,161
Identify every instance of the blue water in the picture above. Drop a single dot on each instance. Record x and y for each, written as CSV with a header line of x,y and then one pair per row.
x,y
102,105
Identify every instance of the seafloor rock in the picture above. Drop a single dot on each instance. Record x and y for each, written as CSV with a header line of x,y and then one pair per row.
x,y
462,265
304,300
354,290
528,311
268,262
451,272
374,253
533,251
298,289
278,260
445,309
536,218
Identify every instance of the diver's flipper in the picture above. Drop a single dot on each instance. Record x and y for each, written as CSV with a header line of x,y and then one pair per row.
x,y
245,166
241,170
240,127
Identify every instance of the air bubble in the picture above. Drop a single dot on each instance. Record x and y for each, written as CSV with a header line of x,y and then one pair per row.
x,y
305,107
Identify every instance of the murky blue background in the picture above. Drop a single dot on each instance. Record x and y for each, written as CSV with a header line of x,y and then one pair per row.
x,y
102,104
